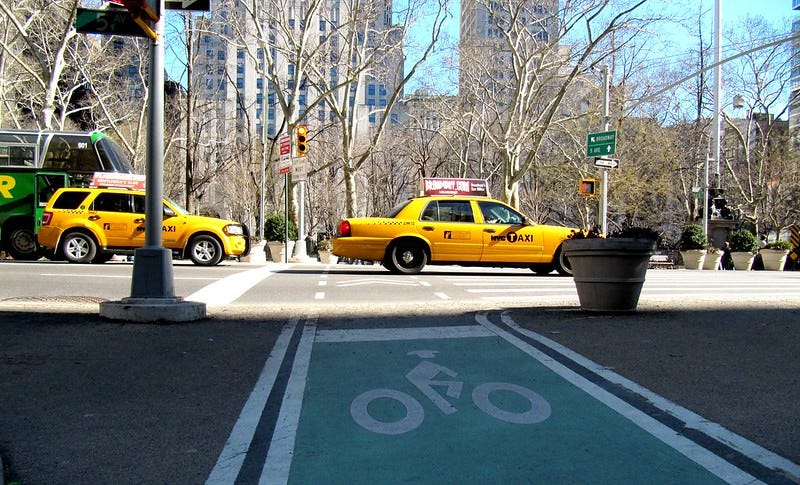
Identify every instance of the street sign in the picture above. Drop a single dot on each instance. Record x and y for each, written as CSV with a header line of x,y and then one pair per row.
x,y
600,144
606,162
114,21
285,146
299,170
196,5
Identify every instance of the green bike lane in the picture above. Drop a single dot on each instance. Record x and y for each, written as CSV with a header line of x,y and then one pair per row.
x,y
477,402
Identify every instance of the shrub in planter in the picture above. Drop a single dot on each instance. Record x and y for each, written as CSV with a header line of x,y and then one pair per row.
x,y
743,246
692,246
774,255
275,229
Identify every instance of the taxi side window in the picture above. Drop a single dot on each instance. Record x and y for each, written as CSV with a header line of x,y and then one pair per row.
x,y
448,211
69,200
494,213
138,204
112,203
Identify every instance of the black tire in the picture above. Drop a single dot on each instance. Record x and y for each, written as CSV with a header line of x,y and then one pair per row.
x,y
561,262
406,257
21,244
542,269
102,258
78,247
205,250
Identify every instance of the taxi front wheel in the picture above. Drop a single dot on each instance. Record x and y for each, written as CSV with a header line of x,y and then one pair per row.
x,y
78,247
205,250
406,257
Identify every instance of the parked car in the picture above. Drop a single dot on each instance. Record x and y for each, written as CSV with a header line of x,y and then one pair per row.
x,y
86,225
464,230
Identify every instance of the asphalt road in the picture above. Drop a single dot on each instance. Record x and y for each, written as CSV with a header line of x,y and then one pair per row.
x,y
84,399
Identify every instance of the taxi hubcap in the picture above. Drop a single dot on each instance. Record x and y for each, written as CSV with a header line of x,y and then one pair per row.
x,y
407,257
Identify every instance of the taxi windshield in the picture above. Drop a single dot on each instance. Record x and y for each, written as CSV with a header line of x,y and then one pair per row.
x,y
178,208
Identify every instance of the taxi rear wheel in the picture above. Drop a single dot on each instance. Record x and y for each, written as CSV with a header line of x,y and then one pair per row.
x,y
406,257
205,250
78,247
561,262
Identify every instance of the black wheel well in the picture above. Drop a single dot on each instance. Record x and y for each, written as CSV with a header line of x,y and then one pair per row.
x,y
411,240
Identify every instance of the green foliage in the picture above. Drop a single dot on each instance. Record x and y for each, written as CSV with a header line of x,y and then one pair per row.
x,y
637,233
692,237
275,228
743,240
779,245
325,245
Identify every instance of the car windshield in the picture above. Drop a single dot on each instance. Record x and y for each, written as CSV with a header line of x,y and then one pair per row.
x,y
178,208
396,209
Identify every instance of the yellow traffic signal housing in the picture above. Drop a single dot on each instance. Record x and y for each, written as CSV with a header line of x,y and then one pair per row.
x,y
588,188
301,140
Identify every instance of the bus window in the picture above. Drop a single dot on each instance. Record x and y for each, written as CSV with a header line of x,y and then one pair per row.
x,y
71,153
17,155
112,155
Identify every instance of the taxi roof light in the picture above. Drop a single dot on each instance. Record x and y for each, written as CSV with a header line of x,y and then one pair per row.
x,y
344,228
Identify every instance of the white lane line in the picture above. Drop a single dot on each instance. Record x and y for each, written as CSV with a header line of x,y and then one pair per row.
x,y
711,462
389,334
232,457
442,295
228,289
692,420
281,448
322,283
320,295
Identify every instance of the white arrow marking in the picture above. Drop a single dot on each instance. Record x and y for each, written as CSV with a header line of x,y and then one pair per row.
x,y
370,281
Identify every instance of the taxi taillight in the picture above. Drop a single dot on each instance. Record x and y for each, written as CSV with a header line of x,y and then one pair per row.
x,y
46,218
344,228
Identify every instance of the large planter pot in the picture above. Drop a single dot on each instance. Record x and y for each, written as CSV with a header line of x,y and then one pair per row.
x,y
609,273
712,261
774,259
693,258
742,261
276,250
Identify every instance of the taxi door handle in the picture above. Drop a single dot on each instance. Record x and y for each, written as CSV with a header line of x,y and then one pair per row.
x,y
490,231
427,228
139,220
93,218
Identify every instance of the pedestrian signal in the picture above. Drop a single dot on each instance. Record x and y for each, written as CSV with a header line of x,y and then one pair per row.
x,y
301,135
588,188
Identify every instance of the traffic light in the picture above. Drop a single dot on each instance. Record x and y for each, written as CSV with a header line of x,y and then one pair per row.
x,y
588,188
301,138
145,9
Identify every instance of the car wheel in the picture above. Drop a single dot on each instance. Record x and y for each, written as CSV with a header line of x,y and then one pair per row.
x,y
102,258
406,257
561,262
78,247
21,244
542,269
205,250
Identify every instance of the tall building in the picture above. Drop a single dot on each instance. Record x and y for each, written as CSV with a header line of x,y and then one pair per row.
x,y
485,22
232,73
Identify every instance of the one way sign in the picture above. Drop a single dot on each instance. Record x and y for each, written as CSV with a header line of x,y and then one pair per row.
x,y
204,5
606,162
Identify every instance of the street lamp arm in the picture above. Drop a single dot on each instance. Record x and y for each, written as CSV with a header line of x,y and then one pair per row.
x,y
663,90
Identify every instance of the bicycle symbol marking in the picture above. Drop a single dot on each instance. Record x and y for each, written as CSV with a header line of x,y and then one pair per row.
x,y
424,378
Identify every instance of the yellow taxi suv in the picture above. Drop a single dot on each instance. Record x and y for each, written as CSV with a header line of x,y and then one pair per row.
x,y
84,225
453,229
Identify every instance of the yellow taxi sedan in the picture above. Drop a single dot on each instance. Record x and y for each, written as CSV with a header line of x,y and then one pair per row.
x,y
463,230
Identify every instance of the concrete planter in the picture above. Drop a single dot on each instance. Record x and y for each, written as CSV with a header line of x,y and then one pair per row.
x,y
325,257
712,261
774,259
609,273
276,250
693,258
742,260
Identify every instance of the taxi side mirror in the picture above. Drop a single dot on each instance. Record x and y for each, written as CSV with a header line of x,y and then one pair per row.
x,y
169,212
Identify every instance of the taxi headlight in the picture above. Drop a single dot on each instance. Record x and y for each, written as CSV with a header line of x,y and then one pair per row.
x,y
233,230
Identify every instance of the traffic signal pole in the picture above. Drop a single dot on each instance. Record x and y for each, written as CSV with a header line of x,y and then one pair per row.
x,y
603,206
152,284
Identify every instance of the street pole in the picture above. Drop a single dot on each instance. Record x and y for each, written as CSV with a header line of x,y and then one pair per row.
x,y
715,153
603,209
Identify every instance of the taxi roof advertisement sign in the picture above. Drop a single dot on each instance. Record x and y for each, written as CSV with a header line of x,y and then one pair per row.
x,y
454,186
117,180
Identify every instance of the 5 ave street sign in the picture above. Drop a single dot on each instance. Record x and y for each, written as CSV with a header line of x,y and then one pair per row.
x,y
114,21
601,144
606,162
